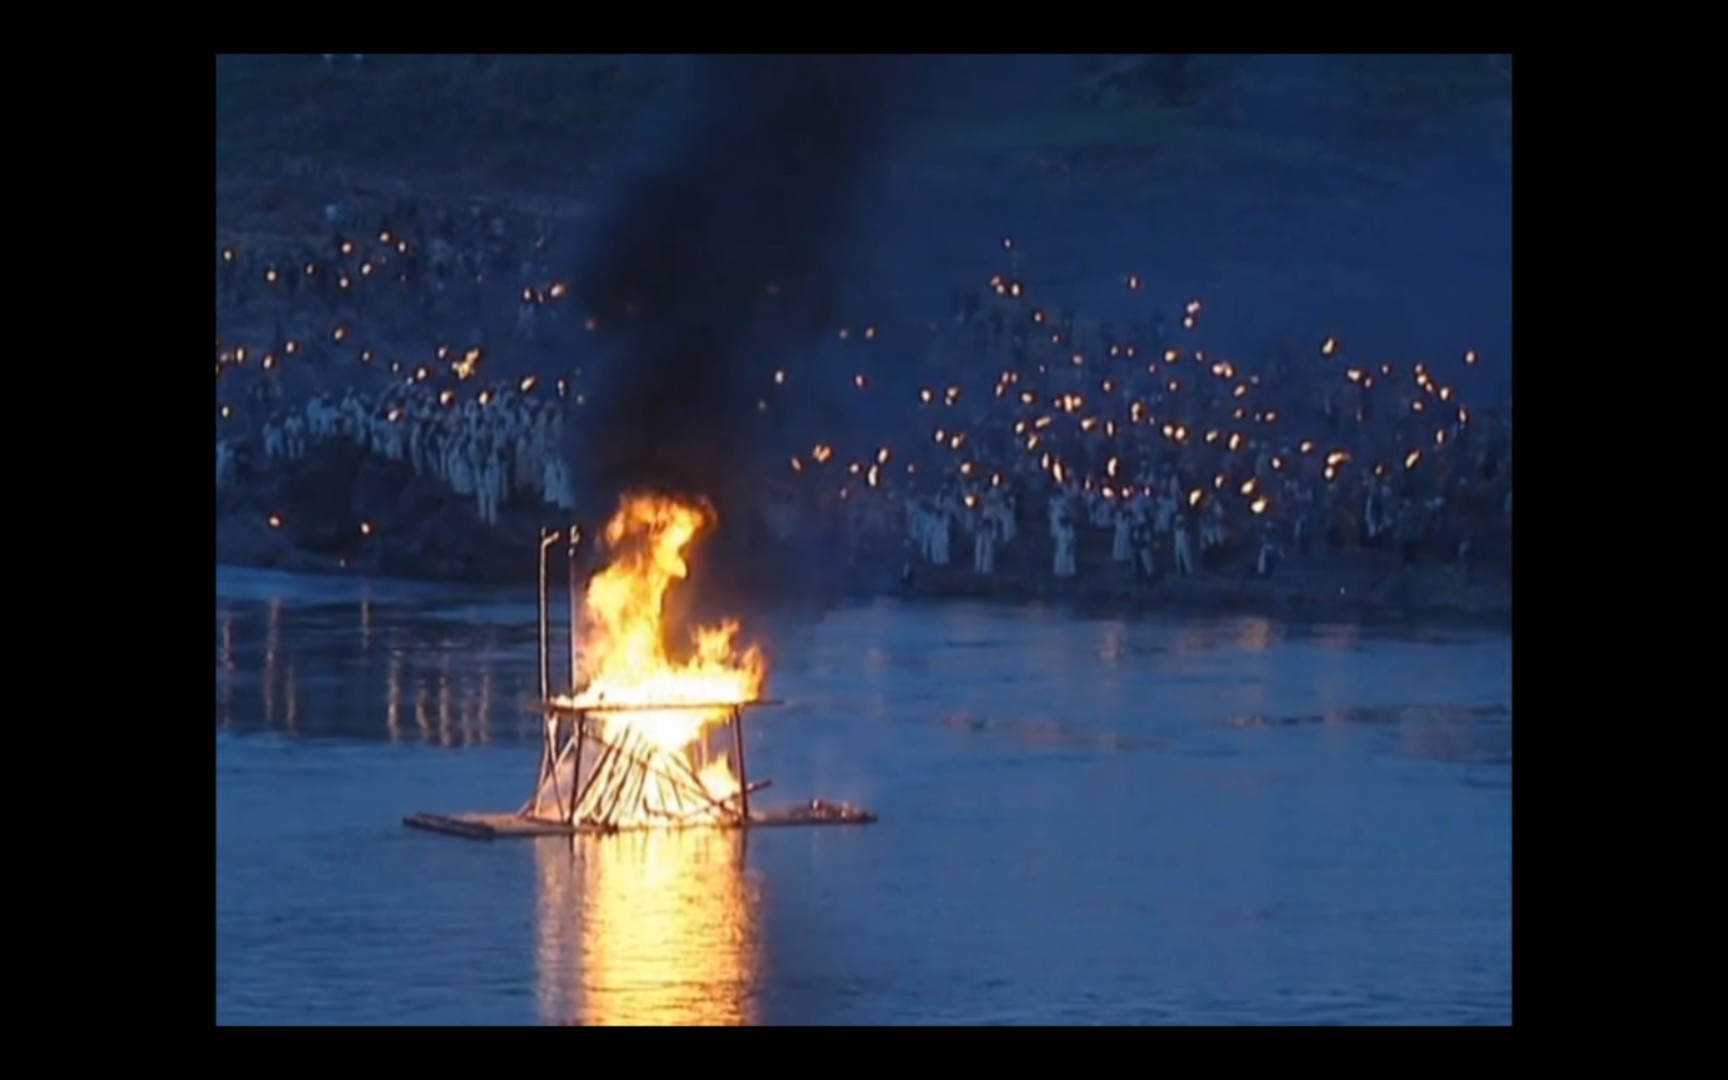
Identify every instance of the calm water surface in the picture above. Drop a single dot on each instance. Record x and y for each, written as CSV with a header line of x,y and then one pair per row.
x,y
1083,821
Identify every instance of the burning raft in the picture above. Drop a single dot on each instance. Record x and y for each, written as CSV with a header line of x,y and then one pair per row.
x,y
647,741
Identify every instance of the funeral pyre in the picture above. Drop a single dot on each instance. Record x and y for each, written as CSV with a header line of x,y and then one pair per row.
x,y
652,718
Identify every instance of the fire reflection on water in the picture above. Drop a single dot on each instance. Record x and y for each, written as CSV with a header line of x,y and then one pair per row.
x,y
413,687
272,649
649,928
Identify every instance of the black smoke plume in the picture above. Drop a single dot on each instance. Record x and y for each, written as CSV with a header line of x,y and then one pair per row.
x,y
718,260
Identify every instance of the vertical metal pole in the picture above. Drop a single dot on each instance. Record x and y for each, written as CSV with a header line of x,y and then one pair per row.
x,y
547,537
743,773
575,539
548,762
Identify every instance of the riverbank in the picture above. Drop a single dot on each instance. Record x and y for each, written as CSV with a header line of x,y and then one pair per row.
x,y
446,545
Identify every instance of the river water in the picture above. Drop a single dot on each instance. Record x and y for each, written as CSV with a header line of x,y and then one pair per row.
x,y
1083,821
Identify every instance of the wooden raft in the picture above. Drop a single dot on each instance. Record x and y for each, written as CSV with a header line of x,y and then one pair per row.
x,y
504,826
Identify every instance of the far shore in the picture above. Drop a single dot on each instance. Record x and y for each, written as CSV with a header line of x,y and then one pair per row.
x,y
1358,587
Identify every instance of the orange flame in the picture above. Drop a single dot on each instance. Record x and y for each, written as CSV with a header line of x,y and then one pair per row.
x,y
625,661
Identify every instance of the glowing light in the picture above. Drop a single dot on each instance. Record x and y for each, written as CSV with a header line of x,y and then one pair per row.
x,y
421,374
797,466
869,333
1258,505
1329,347
339,333
1337,457
1331,473
1236,440
527,384
882,456
1470,357
365,528
925,396
1248,488
563,388
275,521
485,397
227,411
447,398
822,452
859,381
1133,281
1412,458
1307,447
1195,496
557,290
779,378
270,275
464,368
624,661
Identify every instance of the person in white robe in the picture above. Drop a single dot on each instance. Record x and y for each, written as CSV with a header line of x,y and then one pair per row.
x,y
1122,544
984,547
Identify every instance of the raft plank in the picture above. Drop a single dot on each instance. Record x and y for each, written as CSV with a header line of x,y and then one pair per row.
x,y
506,826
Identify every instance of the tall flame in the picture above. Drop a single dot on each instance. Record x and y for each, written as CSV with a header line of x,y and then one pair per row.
x,y
625,662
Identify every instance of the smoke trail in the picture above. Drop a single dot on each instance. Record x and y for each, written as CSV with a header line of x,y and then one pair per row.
x,y
721,258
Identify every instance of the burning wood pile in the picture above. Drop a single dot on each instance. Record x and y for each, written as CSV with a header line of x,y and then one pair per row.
x,y
648,739
655,721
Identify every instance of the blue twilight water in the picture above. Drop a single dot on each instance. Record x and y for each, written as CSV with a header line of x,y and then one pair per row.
x,y
1082,821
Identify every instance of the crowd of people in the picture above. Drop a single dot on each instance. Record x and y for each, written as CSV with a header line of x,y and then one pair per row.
x,y
1076,445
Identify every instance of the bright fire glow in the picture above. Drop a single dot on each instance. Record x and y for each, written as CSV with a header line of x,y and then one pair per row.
x,y
625,661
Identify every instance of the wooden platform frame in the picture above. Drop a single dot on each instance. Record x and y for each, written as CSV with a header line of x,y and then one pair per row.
x,y
570,726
